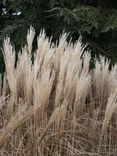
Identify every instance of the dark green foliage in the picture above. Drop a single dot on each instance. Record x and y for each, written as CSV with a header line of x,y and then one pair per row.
x,y
94,20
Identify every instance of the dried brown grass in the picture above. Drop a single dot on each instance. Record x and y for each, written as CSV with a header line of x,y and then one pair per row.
x,y
57,106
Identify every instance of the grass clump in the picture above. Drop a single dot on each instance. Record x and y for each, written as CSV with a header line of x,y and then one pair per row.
x,y
57,106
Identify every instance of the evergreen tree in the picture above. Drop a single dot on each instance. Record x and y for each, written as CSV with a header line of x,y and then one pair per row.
x,y
94,20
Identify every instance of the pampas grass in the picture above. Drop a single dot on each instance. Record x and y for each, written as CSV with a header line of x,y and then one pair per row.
x,y
57,106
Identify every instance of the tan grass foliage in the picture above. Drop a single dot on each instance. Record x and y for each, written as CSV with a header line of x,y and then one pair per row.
x,y
56,106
